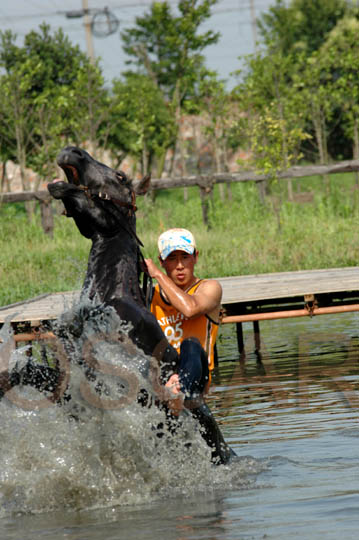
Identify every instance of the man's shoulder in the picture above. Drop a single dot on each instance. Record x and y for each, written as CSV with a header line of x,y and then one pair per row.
x,y
210,286
210,282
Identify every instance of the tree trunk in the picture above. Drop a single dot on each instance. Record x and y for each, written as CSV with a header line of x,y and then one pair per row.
x,y
226,168
144,160
356,139
284,141
183,157
356,147
4,179
161,159
319,129
217,160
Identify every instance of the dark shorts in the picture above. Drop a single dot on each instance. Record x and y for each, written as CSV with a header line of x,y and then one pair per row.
x,y
193,369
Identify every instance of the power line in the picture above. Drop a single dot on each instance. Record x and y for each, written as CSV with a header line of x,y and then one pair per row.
x,y
118,6
226,15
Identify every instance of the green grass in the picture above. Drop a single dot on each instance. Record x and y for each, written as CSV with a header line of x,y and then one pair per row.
x,y
245,236
32,263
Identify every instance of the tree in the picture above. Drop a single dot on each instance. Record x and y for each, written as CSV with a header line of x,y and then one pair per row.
x,y
302,26
16,120
218,110
168,48
301,29
87,107
315,98
45,85
272,119
340,55
141,123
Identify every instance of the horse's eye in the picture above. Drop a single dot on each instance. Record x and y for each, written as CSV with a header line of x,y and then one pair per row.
x,y
121,177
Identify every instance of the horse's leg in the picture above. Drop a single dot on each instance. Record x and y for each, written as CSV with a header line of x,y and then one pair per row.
x,y
41,377
221,452
148,336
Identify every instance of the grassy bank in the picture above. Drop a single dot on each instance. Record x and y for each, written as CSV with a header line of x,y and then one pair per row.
x,y
245,236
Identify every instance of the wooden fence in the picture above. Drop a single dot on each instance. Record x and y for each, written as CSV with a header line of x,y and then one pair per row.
x,y
205,184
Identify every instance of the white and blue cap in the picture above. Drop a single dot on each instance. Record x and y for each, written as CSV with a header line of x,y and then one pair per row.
x,y
176,239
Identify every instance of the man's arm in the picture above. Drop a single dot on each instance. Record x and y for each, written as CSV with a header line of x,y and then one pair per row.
x,y
205,300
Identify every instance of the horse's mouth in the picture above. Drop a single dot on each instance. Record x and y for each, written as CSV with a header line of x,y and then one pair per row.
x,y
72,174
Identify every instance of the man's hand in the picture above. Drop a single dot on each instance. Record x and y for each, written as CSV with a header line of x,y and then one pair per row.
x,y
152,269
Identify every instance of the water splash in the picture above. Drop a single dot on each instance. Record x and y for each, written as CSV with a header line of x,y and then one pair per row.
x,y
97,446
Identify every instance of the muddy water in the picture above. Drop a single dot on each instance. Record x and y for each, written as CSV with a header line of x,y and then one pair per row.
x,y
290,413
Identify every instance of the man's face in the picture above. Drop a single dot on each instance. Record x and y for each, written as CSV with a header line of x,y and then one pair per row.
x,y
179,266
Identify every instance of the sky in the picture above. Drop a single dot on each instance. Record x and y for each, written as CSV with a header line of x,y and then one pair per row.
x,y
232,18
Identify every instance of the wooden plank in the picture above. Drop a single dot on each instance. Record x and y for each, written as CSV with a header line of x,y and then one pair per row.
x,y
288,284
236,289
45,307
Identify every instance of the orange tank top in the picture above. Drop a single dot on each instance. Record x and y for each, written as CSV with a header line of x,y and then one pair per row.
x,y
177,327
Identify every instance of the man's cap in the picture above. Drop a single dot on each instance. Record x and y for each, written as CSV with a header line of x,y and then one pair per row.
x,y
176,239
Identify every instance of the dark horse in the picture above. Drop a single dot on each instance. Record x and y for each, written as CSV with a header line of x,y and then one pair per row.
x,y
102,203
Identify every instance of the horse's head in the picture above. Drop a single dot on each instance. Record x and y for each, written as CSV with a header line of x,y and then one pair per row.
x,y
99,198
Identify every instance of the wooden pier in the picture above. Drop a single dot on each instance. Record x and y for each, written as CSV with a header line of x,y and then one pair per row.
x,y
251,298
282,295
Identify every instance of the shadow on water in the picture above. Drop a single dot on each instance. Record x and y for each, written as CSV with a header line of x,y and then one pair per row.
x,y
290,413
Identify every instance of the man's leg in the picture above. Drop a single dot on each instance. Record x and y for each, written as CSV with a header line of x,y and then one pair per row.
x,y
193,368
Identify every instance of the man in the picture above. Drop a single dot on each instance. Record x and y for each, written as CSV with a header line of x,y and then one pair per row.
x,y
187,309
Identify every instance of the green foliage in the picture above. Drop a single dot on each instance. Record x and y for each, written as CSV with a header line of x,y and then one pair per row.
x,y
168,47
53,60
141,123
308,33
274,145
300,93
87,107
273,127
340,56
301,26
218,110
50,93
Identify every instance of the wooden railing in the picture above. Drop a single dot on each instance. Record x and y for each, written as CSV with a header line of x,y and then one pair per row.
x,y
204,182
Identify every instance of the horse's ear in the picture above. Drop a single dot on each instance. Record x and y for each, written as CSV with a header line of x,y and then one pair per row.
x,y
144,185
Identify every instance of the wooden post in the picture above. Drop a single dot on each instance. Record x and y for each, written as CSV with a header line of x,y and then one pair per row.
x,y
204,205
47,218
240,341
261,185
205,184
215,354
257,337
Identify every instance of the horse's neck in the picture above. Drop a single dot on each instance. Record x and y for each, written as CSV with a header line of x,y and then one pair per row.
x,y
113,269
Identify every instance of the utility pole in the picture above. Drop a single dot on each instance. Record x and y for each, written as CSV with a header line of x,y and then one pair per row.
x,y
100,22
254,24
87,24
